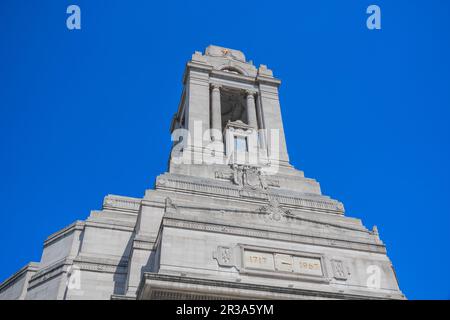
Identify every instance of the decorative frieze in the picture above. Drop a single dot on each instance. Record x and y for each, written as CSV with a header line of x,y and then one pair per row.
x,y
268,213
122,203
244,187
49,272
306,238
195,187
312,203
97,267
100,264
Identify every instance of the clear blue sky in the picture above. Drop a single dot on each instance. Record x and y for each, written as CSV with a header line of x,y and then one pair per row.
x,y
86,113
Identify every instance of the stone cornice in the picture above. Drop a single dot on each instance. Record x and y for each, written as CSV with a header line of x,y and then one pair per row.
x,y
90,222
231,76
127,204
219,74
30,267
123,226
268,80
122,297
202,67
294,216
51,271
104,265
221,189
209,288
144,242
77,225
257,231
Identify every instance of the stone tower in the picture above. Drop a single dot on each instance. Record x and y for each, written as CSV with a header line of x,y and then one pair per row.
x,y
232,218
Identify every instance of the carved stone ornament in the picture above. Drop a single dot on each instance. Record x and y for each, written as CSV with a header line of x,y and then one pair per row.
x,y
247,177
274,212
224,256
238,175
216,51
252,178
339,269
170,206
161,182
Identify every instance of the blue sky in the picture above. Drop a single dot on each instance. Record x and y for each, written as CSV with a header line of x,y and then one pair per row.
x,y
86,113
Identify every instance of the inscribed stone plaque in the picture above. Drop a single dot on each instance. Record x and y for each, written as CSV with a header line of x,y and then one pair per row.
x,y
258,260
283,262
309,266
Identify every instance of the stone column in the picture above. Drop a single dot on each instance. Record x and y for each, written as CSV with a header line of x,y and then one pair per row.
x,y
251,109
216,113
261,134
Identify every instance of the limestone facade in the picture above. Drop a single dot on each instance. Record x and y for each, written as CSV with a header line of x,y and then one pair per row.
x,y
230,228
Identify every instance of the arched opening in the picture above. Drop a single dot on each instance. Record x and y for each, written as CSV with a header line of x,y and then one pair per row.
x,y
233,106
232,70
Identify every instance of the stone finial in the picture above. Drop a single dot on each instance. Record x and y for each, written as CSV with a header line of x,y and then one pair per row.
x,y
198,57
264,71
375,230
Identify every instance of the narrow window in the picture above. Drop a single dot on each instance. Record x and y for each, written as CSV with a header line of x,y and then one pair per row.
x,y
240,144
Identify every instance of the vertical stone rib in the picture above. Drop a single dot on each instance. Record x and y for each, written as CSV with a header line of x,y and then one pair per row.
x,y
251,110
216,112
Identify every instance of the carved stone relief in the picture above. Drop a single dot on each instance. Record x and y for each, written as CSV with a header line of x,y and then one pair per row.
x,y
248,177
224,256
340,271
274,212
170,206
